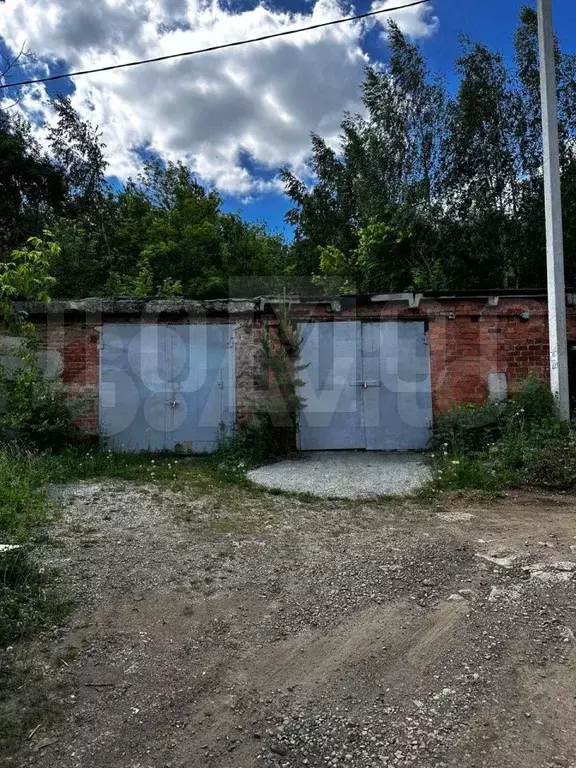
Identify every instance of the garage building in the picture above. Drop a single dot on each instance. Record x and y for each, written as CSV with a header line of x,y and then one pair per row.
x,y
170,374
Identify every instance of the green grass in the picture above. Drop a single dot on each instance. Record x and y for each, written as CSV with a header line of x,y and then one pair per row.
x,y
29,602
25,706
23,503
466,473
178,472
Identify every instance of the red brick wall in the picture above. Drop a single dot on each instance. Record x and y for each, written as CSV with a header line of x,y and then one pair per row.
x,y
477,340
248,360
468,338
75,347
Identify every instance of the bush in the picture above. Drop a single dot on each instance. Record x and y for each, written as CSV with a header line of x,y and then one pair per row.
x,y
249,445
533,400
554,466
468,429
37,412
543,453
494,445
272,431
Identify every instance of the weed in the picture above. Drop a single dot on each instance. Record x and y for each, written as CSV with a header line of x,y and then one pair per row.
x,y
467,429
36,411
25,706
28,604
493,445
245,448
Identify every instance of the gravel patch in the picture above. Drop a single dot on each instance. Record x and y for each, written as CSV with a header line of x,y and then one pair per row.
x,y
346,474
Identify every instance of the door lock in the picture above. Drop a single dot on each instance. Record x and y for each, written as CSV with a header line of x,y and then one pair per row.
x,y
366,384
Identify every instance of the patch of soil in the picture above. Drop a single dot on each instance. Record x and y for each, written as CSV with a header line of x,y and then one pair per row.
x,y
331,634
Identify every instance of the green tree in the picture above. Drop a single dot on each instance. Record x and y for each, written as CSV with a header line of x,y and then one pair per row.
x,y
26,276
169,221
482,171
447,189
32,189
388,170
78,154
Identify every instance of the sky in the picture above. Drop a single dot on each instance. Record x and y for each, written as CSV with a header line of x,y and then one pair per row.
x,y
235,116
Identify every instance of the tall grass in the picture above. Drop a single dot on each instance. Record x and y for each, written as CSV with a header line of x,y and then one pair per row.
x,y
520,442
27,603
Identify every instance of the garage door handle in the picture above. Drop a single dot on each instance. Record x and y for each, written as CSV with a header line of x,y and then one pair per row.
x,y
366,384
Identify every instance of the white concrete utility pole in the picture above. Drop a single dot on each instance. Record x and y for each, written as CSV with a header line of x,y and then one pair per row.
x,y
553,204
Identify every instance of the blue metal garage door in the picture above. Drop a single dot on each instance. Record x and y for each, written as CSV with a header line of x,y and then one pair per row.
x,y
166,387
366,386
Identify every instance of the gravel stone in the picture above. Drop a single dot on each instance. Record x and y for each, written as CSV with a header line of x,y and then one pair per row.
x,y
235,628
346,474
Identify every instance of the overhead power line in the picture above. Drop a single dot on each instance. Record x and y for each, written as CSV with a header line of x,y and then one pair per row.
x,y
235,44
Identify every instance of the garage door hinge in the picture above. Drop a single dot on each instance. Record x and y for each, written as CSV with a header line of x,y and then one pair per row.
x,y
425,337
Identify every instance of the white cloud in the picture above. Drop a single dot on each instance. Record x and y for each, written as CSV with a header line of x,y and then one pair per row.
x,y
417,21
262,99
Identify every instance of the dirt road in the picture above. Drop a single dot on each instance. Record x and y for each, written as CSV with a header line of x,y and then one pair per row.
x,y
262,630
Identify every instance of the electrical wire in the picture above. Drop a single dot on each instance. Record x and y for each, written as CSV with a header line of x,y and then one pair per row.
x,y
235,44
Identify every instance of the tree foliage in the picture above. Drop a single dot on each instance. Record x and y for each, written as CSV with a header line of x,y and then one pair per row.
x,y
162,234
34,409
432,189
26,276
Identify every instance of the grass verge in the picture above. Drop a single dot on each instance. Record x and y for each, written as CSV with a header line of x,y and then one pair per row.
x,y
29,602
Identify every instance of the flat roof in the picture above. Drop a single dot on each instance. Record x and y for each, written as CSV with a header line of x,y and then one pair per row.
x,y
138,306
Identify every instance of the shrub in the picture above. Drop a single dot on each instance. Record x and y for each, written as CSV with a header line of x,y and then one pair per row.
x,y
277,408
36,411
248,446
533,402
554,465
541,453
272,430
468,429
494,445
